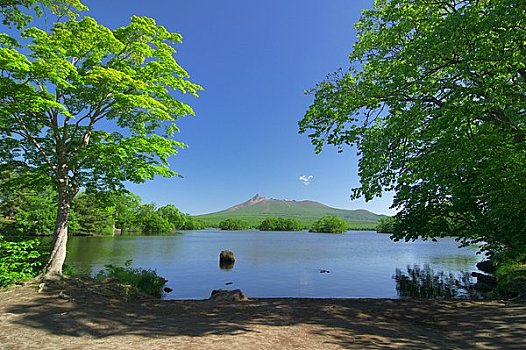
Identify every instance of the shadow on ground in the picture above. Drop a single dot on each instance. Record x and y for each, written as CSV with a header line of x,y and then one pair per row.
x,y
76,310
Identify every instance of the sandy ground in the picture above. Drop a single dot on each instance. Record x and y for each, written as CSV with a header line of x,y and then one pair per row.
x,y
78,314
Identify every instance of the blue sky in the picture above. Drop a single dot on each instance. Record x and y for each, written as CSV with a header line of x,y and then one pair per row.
x,y
254,59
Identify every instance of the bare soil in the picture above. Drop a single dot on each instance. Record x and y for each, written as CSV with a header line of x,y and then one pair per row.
x,y
85,314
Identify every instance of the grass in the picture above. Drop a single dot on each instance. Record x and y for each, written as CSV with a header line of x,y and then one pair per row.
x,y
144,280
511,280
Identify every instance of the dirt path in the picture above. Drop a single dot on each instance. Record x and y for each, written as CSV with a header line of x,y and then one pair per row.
x,y
80,315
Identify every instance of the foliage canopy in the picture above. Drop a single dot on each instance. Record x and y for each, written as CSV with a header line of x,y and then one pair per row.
x,y
15,12
233,224
87,106
21,260
435,103
330,224
280,224
385,225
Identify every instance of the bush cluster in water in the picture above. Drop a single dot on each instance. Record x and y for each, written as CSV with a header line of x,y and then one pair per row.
x,y
330,224
280,224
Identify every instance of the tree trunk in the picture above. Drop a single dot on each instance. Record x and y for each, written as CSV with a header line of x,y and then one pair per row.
x,y
60,239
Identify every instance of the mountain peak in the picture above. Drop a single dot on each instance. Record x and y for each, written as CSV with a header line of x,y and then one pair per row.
x,y
258,208
254,200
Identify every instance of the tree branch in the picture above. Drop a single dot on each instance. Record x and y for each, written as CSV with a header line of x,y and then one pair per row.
x,y
500,118
28,136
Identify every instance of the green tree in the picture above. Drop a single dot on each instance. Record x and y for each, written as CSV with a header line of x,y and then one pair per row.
x,y
280,224
192,223
36,213
151,222
25,208
174,216
385,225
233,225
14,12
92,215
435,103
178,220
330,224
127,207
269,224
21,259
91,107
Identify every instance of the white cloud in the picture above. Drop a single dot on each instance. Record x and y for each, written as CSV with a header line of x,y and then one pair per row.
x,y
306,179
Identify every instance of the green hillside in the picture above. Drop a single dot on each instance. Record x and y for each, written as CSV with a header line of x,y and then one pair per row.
x,y
258,208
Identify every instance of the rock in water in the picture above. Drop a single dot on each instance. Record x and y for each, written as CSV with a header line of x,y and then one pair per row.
x,y
227,257
226,260
485,283
484,278
226,265
228,295
486,266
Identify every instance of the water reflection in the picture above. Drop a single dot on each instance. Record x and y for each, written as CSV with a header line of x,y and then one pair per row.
x,y
273,264
453,261
423,282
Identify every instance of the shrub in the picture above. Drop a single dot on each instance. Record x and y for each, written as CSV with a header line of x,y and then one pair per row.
x,y
233,225
511,280
145,280
21,260
280,224
330,224
385,225
192,224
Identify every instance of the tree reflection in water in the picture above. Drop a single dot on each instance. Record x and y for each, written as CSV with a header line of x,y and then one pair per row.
x,y
424,283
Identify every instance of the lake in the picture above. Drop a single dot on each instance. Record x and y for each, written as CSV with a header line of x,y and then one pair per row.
x,y
355,264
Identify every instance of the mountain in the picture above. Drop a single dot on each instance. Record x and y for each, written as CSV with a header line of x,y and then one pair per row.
x,y
257,208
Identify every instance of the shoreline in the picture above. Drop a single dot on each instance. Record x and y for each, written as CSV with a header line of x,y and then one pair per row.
x,y
77,314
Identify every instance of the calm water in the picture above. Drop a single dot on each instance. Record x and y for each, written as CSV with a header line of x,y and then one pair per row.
x,y
274,264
